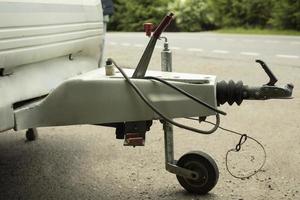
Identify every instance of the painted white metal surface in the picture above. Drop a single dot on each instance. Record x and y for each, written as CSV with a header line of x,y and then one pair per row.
x,y
36,39
93,98
36,80
36,30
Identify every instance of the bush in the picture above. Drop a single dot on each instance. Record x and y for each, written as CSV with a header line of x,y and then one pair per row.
x,y
193,15
242,13
130,15
286,14
198,15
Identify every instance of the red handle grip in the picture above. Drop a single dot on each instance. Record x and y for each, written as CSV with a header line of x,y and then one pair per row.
x,y
163,25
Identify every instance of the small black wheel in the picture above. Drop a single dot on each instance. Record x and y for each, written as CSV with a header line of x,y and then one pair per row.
x,y
205,166
31,134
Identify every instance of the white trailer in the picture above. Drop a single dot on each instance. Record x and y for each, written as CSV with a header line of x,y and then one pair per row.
x,y
50,76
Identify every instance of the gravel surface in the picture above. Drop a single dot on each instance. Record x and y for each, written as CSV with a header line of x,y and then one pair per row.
x,y
86,162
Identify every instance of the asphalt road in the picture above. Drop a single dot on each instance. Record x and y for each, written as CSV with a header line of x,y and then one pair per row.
x,y
86,162
283,50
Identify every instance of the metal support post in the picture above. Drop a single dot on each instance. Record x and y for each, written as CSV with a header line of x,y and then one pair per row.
x,y
169,155
169,143
166,65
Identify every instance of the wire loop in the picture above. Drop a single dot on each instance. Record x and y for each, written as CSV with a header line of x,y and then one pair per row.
x,y
237,148
243,139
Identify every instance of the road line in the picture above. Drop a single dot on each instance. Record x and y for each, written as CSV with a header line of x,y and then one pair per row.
x,y
248,40
195,49
158,47
287,56
220,51
295,42
211,38
125,44
249,53
272,41
229,40
138,45
175,48
113,43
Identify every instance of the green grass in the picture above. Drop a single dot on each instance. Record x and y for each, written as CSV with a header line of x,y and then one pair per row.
x,y
256,31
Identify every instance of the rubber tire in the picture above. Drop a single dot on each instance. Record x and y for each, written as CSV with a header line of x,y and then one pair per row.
x,y
203,164
31,134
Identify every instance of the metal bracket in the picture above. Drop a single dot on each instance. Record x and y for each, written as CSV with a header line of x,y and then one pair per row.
x,y
174,169
169,155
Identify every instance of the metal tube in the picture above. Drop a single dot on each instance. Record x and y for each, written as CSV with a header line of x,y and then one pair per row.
x,y
169,143
166,65
166,58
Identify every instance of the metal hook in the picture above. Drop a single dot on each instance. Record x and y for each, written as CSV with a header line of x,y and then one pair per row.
x,y
272,77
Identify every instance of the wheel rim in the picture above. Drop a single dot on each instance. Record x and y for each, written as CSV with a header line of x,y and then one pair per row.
x,y
202,173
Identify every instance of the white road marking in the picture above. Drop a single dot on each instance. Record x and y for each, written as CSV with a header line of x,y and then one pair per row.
x,y
287,56
220,51
229,40
211,38
217,50
272,41
249,53
175,48
125,44
295,42
138,45
195,49
248,40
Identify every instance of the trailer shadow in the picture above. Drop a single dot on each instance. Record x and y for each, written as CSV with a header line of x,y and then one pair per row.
x,y
61,167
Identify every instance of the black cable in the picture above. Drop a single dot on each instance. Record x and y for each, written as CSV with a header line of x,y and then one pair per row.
x,y
156,110
186,94
237,148
242,140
